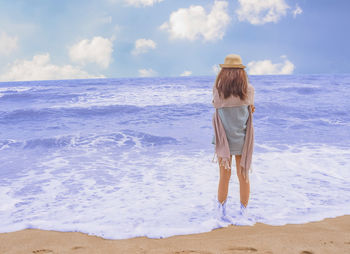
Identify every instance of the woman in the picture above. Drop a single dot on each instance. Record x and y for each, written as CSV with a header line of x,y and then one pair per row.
x,y
233,99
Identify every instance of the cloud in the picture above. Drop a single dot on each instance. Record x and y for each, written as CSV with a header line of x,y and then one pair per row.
x,y
297,11
216,68
194,23
98,50
7,43
117,28
259,12
40,68
147,73
186,73
142,3
105,20
143,45
136,3
266,67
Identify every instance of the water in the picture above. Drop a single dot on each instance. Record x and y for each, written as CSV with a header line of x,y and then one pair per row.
x,y
121,158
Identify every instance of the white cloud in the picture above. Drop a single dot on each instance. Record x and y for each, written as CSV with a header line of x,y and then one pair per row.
x,y
117,28
98,50
186,73
40,68
147,73
143,45
259,12
297,11
7,43
105,20
135,3
266,67
216,68
193,23
142,3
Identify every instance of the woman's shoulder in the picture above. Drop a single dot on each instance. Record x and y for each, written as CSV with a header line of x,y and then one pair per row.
x,y
251,87
251,92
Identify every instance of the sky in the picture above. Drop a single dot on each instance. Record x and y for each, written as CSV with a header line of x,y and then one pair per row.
x,y
48,39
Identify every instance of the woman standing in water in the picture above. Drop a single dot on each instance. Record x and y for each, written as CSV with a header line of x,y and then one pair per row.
x,y
233,99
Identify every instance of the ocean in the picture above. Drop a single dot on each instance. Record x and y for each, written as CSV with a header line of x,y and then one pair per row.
x,y
128,157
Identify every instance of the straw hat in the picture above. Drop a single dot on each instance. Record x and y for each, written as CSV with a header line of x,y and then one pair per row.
x,y
232,61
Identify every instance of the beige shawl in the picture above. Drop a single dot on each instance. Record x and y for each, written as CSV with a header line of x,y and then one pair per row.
x,y
222,149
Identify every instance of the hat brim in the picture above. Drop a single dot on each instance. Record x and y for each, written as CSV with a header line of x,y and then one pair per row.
x,y
241,66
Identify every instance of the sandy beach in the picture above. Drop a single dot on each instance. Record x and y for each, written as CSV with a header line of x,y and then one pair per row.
x,y
331,235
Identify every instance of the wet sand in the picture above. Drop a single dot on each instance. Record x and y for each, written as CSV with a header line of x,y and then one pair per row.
x,y
331,235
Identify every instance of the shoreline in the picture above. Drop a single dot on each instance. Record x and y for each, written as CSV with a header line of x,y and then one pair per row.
x,y
330,235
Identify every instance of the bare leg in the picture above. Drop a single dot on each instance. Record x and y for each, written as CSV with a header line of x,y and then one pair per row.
x,y
224,182
244,187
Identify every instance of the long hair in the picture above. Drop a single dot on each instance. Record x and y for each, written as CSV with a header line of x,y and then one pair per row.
x,y
232,81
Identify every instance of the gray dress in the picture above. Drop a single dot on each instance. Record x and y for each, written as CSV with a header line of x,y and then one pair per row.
x,y
234,120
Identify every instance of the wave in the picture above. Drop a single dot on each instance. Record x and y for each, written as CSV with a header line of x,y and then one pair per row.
x,y
303,90
123,139
26,97
35,114
41,113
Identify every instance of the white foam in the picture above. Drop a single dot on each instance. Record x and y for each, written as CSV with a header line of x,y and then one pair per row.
x,y
16,89
140,193
140,96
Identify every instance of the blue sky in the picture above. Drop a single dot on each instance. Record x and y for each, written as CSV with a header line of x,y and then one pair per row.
x,y
47,39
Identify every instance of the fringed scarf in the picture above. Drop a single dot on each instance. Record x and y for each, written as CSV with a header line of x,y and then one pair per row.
x,y
222,150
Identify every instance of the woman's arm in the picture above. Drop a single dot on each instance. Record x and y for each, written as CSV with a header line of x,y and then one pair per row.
x,y
252,93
